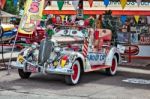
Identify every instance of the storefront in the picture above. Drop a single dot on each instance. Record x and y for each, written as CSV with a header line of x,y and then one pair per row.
x,y
139,33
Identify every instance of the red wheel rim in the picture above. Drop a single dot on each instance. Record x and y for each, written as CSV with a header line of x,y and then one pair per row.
x,y
75,74
113,65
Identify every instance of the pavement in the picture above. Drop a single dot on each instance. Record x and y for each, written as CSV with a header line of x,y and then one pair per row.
x,y
131,82
94,85
137,63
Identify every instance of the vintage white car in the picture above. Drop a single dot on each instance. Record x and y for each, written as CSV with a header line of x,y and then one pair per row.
x,y
70,52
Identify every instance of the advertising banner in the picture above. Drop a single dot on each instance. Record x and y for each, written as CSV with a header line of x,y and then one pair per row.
x,y
31,17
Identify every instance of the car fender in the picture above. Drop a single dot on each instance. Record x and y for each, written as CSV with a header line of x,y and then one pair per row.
x,y
76,56
113,51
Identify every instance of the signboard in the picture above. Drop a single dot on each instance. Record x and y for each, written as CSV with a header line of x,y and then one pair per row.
x,y
31,17
96,58
144,39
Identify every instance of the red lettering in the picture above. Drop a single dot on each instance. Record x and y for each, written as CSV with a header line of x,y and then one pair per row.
x,y
34,7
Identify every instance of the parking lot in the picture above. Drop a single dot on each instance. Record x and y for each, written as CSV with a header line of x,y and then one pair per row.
x,y
94,85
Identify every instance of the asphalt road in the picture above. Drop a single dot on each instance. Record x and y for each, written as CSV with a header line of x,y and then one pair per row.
x,y
94,85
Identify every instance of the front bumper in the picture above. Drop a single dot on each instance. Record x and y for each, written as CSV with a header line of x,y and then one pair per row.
x,y
59,70
43,69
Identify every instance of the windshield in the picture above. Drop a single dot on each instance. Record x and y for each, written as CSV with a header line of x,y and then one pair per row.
x,y
70,32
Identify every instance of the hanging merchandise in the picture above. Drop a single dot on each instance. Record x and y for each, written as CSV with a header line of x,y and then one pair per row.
x,y
86,22
75,4
63,18
60,4
148,20
123,19
73,18
137,18
54,20
123,3
58,19
138,2
106,2
90,2
15,2
86,17
2,3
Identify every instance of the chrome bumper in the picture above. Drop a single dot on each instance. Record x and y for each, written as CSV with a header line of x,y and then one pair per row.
x,y
58,70
64,71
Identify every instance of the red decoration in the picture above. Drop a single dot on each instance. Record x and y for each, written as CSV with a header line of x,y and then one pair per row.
x,y
90,2
86,22
54,20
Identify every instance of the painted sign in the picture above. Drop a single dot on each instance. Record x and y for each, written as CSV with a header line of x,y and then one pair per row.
x,y
145,39
31,17
96,58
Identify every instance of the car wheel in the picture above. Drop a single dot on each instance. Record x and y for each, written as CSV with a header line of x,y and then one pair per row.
x,y
75,77
113,69
24,75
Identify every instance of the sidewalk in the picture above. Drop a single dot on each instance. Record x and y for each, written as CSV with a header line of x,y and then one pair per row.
x,y
137,63
6,59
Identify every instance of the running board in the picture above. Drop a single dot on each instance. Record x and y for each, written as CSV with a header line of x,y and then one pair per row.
x,y
97,67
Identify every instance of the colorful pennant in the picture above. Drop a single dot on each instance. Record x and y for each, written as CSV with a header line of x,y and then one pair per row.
x,y
137,18
90,2
138,2
60,4
123,3
106,2
75,4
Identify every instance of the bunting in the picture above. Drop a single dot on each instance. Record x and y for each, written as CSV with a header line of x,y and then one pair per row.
x,y
75,4
60,4
123,3
90,2
106,2
137,18
138,2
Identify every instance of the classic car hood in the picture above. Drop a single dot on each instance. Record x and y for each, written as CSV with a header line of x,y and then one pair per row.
x,y
65,39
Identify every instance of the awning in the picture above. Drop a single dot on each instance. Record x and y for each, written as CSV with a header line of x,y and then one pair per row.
x,y
99,12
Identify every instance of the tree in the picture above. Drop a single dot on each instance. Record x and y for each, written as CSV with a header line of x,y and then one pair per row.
x,y
110,22
10,8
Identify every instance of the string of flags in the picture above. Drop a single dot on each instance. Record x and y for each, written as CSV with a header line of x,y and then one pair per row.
x,y
74,3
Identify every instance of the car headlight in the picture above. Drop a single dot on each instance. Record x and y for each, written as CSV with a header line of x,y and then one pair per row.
x,y
57,49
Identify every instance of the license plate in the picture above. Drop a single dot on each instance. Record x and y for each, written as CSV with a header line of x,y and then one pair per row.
x,y
32,69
